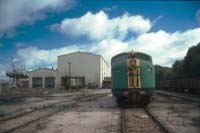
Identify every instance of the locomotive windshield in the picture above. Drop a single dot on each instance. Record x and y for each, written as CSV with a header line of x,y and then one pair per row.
x,y
124,56
120,57
142,56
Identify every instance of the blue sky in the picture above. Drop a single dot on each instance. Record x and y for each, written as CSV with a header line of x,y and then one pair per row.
x,y
34,33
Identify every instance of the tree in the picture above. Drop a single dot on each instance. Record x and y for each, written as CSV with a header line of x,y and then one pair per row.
x,y
162,73
191,64
177,70
189,67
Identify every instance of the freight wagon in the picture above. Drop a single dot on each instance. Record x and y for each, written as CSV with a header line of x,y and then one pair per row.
x,y
181,85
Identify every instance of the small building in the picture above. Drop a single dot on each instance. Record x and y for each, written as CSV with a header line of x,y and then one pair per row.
x,y
43,78
86,69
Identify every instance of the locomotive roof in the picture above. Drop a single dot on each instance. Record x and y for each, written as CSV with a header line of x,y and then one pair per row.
x,y
124,53
129,53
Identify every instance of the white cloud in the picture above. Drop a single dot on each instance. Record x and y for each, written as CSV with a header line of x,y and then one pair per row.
x,y
109,48
14,12
164,48
99,26
2,75
33,57
107,38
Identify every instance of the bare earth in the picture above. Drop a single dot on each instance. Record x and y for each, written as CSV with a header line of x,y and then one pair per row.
x,y
101,116
179,115
97,116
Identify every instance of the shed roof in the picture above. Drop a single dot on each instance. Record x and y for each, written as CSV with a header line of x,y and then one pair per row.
x,y
85,53
79,52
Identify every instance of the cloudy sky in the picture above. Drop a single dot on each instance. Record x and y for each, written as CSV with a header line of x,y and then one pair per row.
x,y
34,32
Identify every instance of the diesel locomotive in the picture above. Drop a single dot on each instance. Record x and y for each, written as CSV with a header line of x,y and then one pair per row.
x,y
133,77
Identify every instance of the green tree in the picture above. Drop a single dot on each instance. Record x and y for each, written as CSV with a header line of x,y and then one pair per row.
x,y
191,64
162,73
177,70
189,67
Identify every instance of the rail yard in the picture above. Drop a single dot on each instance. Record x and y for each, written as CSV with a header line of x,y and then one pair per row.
x,y
92,66
131,103
96,111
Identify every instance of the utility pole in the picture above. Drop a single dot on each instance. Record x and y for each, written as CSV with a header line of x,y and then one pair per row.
x,y
69,75
13,70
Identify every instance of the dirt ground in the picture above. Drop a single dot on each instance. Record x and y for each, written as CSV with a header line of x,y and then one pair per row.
x,y
23,104
179,115
9,94
101,115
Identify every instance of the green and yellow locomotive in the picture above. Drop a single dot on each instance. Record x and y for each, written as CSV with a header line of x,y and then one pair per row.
x,y
133,77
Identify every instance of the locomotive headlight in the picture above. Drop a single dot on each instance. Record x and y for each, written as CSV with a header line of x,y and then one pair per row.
x,y
133,62
148,69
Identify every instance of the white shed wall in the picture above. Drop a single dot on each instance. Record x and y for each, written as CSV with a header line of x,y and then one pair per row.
x,y
104,70
82,65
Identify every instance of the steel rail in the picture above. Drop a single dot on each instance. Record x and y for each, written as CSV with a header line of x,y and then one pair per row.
x,y
161,124
164,127
44,107
123,121
178,96
59,108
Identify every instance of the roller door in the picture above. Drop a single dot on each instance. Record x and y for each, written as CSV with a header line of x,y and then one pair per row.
x,y
37,82
49,82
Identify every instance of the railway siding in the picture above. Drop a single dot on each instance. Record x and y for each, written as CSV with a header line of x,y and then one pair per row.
x,y
177,114
14,123
193,98
100,115
165,127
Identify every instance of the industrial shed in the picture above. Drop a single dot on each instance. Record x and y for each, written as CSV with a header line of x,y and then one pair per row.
x,y
86,68
43,78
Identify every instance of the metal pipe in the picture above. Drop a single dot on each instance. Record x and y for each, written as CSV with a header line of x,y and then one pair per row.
x,y
69,75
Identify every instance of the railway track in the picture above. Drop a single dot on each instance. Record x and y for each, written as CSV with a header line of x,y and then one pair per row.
x,y
140,120
42,106
14,123
193,98
32,108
